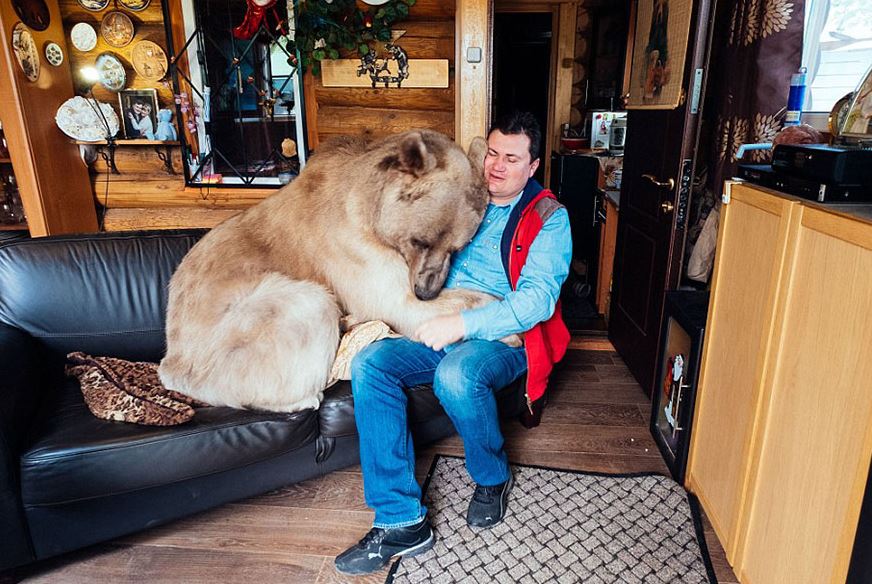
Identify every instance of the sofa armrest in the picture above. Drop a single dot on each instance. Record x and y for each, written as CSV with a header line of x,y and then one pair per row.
x,y
19,399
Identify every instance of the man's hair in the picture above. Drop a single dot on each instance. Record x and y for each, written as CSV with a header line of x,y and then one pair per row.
x,y
517,122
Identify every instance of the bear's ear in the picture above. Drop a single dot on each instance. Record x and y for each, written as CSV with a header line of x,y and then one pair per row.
x,y
477,152
414,158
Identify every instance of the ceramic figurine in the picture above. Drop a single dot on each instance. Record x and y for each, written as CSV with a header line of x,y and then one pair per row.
x,y
165,128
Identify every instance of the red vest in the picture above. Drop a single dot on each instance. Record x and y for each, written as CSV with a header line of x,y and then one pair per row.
x,y
545,343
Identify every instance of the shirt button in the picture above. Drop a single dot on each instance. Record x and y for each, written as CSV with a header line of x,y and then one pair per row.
x,y
495,247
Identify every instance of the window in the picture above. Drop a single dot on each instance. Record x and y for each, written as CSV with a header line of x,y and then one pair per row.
x,y
837,49
239,99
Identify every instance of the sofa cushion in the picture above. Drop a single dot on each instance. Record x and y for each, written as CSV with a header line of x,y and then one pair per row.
x,y
336,413
104,294
77,456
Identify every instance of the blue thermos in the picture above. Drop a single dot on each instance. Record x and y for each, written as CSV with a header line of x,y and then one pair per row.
x,y
796,98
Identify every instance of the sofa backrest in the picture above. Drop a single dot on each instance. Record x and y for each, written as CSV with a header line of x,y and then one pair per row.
x,y
104,294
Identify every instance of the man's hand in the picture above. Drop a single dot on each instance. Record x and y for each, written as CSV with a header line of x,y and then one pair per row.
x,y
441,331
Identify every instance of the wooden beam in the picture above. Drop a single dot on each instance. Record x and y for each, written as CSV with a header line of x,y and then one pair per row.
x,y
52,179
174,218
561,105
472,80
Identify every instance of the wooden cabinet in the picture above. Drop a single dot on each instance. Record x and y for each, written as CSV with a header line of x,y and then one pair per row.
x,y
783,431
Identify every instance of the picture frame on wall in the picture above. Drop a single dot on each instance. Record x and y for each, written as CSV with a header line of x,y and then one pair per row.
x,y
139,113
659,51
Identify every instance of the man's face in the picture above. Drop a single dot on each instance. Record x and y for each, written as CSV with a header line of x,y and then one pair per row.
x,y
137,108
507,165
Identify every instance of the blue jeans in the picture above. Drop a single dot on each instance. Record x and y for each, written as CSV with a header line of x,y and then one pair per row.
x,y
464,379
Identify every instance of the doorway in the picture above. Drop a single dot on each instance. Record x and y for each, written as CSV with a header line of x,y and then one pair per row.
x,y
522,67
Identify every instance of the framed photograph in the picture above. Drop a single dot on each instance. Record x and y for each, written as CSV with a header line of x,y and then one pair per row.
x,y
858,120
138,113
659,48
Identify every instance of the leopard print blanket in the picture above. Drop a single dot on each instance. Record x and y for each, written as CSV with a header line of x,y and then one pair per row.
x,y
128,391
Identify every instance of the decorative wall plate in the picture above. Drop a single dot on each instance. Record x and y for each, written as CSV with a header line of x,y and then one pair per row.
x,y
117,29
149,60
33,13
54,54
94,5
25,51
111,72
135,5
84,37
78,118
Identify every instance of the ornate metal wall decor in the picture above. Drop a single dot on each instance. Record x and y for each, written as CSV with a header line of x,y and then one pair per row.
x,y
393,68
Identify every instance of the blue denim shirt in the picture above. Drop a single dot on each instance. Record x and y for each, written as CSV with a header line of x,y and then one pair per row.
x,y
479,266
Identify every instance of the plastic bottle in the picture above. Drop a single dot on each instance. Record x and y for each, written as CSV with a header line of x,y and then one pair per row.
x,y
796,98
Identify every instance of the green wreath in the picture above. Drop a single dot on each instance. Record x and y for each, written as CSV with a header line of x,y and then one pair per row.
x,y
329,29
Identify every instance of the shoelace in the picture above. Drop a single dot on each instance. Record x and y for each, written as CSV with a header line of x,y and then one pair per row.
x,y
486,494
374,535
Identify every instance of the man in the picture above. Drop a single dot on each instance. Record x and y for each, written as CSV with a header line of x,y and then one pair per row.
x,y
520,253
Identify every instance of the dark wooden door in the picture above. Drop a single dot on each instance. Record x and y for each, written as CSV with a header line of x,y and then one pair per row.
x,y
655,196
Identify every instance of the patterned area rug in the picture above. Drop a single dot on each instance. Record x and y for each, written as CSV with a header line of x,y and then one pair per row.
x,y
562,526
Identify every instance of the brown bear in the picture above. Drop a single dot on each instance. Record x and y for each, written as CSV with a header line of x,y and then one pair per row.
x,y
367,230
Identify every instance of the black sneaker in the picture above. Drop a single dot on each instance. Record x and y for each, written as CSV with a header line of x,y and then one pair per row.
x,y
488,504
379,546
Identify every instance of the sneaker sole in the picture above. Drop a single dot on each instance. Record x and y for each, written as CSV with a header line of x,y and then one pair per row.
x,y
504,505
417,550
413,551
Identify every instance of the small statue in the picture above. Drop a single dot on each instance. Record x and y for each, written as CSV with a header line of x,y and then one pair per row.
x,y
165,128
402,59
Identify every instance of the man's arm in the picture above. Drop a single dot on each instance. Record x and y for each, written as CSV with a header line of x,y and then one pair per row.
x,y
532,301
537,290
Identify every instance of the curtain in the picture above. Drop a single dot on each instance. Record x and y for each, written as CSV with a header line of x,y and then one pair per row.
x,y
757,46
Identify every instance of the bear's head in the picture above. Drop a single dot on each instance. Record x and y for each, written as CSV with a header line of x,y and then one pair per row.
x,y
432,203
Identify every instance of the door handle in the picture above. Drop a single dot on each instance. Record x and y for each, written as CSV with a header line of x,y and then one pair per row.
x,y
667,207
668,184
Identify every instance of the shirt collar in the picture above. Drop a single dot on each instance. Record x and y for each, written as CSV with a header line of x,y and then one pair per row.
x,y
511,204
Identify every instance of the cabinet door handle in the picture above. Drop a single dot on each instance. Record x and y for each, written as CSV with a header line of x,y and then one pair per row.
x,y
668,184
667,207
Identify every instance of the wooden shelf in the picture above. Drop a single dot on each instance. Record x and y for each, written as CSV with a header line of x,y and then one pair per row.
x,y
137,142
13,227
7,160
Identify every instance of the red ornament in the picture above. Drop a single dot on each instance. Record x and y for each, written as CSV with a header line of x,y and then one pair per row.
x,y
367,20
254,15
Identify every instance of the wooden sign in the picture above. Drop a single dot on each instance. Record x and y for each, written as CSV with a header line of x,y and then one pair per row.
x,y
349,73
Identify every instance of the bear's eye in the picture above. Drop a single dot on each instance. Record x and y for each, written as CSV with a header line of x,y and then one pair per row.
x,y
422,245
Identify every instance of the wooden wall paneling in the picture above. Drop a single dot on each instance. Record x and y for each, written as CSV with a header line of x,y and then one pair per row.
x,y
380,121
561,71
165,218
52,179
331,111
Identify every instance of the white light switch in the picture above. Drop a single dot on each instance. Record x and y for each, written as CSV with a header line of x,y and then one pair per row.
x,y
473,55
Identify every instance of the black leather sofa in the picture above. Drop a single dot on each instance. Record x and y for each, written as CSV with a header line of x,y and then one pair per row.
x,y
68,479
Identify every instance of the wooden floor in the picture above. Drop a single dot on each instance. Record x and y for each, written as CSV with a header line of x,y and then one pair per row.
x,y
597,420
